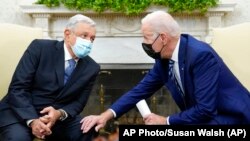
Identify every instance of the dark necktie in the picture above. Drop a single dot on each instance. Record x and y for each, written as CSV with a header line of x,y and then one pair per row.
x,y
69,70
173,77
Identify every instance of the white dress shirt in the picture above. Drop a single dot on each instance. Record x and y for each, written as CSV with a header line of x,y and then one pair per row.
x,y
176,64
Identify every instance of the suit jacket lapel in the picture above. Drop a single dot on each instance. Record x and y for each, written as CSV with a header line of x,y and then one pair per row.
x,y
181,58
59,63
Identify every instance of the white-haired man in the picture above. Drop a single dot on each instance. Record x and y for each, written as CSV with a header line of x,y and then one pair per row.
x,y
51,86
201,84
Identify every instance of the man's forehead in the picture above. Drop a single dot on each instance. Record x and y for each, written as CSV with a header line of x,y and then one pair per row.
x,y
85,27
146,29
147,33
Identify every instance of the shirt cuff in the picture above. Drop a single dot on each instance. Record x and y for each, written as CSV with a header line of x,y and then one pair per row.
x,y
64,114
168,121
114,114
28,122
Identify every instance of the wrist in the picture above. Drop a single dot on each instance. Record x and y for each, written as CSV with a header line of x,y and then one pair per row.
x,y
28,122
58,114
32,122
63,114
107,115
113,113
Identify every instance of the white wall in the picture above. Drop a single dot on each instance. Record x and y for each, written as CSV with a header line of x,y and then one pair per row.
x,y
240,14
11,13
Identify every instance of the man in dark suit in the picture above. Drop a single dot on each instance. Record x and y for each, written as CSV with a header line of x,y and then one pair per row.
x,y
201,84
51,86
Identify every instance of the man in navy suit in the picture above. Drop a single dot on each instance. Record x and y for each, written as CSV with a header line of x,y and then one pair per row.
x,y
51,86
201,84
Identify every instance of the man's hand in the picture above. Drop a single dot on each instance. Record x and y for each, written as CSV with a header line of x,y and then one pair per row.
x,y
152,119
50,117
39,129
92,120
98,120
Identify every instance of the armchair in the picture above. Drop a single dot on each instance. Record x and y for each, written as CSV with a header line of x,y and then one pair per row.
x,y
14,40
233,45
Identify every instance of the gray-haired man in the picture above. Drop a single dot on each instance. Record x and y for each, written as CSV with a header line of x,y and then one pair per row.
x,y
51,86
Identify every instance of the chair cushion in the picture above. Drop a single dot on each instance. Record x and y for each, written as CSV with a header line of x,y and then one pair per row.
x,y
14,40
233,45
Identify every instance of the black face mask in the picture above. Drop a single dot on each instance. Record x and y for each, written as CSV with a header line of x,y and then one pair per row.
x,y
149,50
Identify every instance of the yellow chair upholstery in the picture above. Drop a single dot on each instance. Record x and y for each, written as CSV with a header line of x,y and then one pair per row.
x,y
14,40
233,45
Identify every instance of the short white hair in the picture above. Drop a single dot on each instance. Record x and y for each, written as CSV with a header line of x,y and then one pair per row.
x,y
79,18
161,21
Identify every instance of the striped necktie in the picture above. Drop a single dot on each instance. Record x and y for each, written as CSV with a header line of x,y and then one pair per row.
x,y
69,69
173,77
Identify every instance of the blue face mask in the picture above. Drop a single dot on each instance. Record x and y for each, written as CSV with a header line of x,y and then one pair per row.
x,y
82,47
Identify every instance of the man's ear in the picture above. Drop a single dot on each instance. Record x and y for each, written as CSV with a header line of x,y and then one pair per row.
x,y
164,38
66,33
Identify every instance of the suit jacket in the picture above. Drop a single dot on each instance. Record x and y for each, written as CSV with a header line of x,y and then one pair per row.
x,y
38,82
213,95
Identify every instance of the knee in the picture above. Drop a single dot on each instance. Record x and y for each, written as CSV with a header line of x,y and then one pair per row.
x,y
16,136
83,136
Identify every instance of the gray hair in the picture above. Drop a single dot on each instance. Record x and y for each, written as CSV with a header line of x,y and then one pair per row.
x,y
77,19
161,21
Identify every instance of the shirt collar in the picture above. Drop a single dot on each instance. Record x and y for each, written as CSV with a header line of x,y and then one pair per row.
x,y
176,51
67,55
